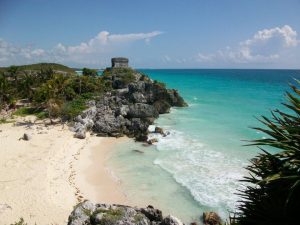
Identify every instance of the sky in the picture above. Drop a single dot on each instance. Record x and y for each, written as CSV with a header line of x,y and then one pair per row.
x,y
152,34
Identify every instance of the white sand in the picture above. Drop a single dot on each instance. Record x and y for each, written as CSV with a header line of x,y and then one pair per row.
x,y
43,178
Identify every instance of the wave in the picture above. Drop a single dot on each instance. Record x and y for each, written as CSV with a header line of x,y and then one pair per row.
x,y
211,176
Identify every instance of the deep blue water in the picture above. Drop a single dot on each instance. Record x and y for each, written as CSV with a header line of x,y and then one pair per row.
x,y
197,167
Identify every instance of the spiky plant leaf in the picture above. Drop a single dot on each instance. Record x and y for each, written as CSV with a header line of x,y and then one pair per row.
x,y
273,194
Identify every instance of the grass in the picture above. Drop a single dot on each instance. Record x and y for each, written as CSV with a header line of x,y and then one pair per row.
x,y
138,218
3,121
111,216
25,111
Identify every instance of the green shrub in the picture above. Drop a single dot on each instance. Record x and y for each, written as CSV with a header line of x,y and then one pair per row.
x,y
128,78
25,111
112,216
73,108
89,72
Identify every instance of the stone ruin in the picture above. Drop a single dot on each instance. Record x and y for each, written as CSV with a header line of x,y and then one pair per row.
x,y
119,62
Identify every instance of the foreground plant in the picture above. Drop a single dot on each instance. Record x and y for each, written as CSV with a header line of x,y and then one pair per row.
x,y
273,194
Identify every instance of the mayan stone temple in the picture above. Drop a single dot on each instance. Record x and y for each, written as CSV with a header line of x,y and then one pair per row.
x,y
119,62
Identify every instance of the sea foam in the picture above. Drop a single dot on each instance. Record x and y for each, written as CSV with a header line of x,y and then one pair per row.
x,y
210,175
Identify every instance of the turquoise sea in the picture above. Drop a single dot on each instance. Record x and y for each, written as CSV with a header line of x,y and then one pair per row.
x,y
197,167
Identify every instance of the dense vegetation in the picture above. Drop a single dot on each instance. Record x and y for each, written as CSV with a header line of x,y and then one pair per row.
x,y
40,66
89,72
127,74
273,194
50,92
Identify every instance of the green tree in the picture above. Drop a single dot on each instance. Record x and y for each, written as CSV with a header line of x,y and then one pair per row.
x,y
273,194
89,72
26,86
13,72
54,93
3,88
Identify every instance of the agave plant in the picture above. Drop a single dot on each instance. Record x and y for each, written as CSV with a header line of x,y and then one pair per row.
x,y
273,194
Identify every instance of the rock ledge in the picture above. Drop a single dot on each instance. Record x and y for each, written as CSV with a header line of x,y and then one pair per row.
x,y
87,213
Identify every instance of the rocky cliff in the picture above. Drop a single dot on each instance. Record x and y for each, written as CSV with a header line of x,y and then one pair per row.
x,y
132,104
87,213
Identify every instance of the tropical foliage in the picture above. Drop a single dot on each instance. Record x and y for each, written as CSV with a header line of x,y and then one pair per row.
x,y
273,194
89,72
50,92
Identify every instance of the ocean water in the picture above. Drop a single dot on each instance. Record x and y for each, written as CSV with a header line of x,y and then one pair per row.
x,y
197,167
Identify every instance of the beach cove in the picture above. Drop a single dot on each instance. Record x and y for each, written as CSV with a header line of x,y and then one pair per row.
x,y
56,170
44,178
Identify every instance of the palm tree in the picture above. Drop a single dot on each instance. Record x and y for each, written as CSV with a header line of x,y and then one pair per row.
x,y
13,72
26,85
3,89
273,194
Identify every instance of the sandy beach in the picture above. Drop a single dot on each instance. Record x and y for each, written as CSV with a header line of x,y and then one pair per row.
x,y
43,178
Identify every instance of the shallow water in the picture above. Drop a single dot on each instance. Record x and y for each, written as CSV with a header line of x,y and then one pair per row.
x,y
197,166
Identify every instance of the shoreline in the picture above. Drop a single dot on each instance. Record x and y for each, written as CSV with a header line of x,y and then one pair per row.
x,y
42,179
97,181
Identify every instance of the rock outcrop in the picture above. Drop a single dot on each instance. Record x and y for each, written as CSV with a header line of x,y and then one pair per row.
x,y
87,213
132,104
211,218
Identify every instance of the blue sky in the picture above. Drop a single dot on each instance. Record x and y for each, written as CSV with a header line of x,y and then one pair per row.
x,y
152,34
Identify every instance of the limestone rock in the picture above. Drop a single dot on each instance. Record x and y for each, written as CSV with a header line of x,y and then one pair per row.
x,y
171,220
81,214
162,106
133,104
140,110
80,134
87,213
152,214
211,218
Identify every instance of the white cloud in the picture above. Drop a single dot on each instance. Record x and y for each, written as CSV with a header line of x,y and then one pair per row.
x,y
287,35
105,40
204,58
90,52
166,59
267,45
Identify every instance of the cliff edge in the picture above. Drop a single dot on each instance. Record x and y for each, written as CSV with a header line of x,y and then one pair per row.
x,y
133,104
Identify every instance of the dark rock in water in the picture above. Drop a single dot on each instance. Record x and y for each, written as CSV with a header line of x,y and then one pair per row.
x,y
133,104
193,223
87,213
138,151
141,138
151,141
159,130
211,218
